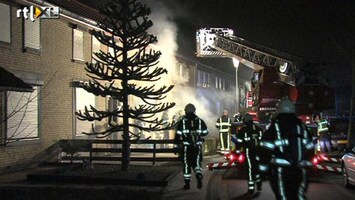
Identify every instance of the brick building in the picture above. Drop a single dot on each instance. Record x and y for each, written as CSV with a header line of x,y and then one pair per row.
x,y
50,56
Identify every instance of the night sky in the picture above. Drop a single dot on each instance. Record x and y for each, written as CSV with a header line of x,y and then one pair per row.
x,y
322,31
317,30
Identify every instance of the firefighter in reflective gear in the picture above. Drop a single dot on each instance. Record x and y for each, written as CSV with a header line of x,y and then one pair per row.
x,y
190,132
324,140
249,137
223,124
286,149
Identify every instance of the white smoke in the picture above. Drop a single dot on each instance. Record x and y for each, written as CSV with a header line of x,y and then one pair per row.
x,y
166,31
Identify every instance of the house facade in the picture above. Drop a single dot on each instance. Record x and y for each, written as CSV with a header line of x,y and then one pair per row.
x,y
50,55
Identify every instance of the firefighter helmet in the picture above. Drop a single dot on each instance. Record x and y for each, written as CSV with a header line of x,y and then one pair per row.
x,y
190,108
247,118
286,106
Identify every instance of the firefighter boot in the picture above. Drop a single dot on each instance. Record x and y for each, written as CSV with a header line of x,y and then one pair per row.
x,y
187,185
199,178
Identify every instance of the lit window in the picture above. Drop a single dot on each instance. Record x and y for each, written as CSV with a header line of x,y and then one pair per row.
x,y
22,115
5,30
32,34
96,46
82,99
78,45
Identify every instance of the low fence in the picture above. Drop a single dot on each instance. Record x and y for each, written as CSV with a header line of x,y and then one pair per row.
x,y
110,151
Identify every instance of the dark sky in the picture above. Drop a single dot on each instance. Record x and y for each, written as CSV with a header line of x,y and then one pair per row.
x,y
322,31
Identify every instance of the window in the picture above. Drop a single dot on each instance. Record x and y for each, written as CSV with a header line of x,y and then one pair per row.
x,y
5,23
32,34
82,99
22,115
199,77
96,46
78,44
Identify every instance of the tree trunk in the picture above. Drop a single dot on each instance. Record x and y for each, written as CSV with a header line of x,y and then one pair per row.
x,y
126,146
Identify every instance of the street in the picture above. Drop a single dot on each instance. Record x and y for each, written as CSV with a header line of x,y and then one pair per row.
x,y
231,184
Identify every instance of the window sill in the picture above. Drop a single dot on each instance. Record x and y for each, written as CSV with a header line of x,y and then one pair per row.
x,y
76,60
23,142
31,50
5,45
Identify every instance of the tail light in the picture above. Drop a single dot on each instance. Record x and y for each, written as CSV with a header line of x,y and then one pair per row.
x,y
241,158
315,161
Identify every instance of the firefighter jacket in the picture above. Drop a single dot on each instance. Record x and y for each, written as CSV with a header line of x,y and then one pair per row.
x,y
323,130
287,142
223,123
249,136
190,130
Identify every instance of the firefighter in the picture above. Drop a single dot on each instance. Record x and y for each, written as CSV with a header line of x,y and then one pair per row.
x,y
223,124
190,132
323,134
249,137
237,117
286,149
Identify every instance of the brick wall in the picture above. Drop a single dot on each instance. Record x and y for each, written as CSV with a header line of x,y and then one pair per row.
x,y
54,63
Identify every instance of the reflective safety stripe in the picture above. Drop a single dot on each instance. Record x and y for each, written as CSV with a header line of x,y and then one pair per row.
x,y
305,163
187,175
310,145
179,132
267,145
263,167
279,136
176,146
282,142
239,140
280,183
281,162
186,143
257,158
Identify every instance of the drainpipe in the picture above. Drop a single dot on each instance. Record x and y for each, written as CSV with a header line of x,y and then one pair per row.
x,y
63,12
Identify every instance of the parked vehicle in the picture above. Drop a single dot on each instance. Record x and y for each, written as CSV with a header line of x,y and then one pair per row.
x,y
348,167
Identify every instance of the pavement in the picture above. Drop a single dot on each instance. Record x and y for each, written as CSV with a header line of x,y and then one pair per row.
x,y
173,191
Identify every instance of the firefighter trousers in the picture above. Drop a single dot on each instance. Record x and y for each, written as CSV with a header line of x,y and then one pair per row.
x,y
224,142
253,171
192,157
289,183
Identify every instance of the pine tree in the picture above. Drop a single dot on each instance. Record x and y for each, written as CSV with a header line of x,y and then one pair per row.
x,y
124,30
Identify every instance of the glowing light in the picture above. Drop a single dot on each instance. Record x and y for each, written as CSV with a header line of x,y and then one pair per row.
x,y
235,62
315,161
241,158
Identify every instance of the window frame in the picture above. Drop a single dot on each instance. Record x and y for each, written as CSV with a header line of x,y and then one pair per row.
x,y
74,58
75,85
21,140
2,43
28,48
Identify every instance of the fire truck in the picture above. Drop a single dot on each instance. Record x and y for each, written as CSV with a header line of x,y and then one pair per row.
x,y
275,75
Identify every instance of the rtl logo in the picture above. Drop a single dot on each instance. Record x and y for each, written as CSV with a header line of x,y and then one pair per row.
x,y
38,12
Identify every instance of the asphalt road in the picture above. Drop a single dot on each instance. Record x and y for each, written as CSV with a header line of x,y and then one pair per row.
x,y
231,184
323,186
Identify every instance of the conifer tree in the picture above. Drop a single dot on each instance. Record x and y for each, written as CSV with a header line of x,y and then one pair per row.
x,y
129,70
